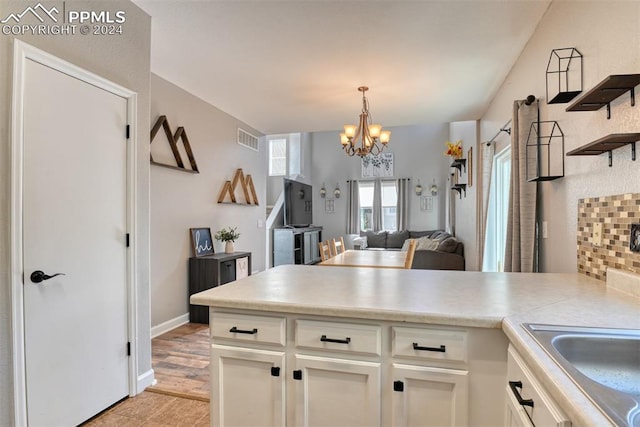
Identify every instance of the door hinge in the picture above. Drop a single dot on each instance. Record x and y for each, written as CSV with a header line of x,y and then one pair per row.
x,y
275,371
128,348
398,386
128,240
297,375
128,131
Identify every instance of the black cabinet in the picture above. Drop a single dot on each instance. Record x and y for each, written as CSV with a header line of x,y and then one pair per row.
x,y
211,271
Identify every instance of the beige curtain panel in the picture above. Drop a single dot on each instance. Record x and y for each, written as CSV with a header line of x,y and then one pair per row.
x,y
521,223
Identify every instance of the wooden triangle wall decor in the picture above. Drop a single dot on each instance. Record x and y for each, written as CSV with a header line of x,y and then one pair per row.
x,y
163,123
248,189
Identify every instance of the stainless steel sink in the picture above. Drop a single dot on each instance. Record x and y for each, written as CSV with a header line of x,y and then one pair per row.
x,y
604,363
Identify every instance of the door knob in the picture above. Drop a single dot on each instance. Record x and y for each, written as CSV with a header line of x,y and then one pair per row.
x,y
39,276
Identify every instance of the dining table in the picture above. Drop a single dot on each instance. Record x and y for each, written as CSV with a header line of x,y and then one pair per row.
x,y
367,258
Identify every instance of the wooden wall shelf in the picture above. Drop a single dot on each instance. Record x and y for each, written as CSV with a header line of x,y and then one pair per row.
x,y
608,144
459,164
173,139
173,167
248,190
460,188
606,91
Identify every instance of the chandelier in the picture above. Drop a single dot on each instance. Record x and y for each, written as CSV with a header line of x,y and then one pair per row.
x,y
363,139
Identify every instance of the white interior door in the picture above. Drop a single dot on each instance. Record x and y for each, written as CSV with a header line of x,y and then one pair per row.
x,y
74,222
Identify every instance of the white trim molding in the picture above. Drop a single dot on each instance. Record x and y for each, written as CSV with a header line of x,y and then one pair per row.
x,y
169,325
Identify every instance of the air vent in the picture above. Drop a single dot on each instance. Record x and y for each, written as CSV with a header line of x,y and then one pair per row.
x,y
248,140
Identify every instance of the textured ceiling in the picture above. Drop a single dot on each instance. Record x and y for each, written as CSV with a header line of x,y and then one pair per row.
x,y
289,66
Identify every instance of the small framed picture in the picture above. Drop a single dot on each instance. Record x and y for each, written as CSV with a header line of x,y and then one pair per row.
x,y
426,203
201,242
329,206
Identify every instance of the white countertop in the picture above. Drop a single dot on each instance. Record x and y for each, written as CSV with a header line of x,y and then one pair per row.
x,y
472,299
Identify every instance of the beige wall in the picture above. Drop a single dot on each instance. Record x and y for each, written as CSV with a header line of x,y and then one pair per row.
x,y
123,59
607,33
181,200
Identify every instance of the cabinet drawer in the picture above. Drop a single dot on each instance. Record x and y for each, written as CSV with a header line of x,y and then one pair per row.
x,y
248,328
341,337
432,344
544,412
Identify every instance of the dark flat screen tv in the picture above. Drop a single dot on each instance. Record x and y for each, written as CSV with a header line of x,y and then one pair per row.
x,y
298,206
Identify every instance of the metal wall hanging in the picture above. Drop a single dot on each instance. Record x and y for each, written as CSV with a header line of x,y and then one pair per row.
x,y
564,75
545,151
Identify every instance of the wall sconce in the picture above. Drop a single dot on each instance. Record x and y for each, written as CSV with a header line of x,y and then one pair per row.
x,y
336,192
418,189
323,191
434,188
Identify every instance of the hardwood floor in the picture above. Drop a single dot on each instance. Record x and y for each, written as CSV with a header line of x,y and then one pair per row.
x,y
180,360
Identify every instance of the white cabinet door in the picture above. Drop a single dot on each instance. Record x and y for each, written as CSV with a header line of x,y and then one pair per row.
x,y
426,396
336,392
311,251
247,387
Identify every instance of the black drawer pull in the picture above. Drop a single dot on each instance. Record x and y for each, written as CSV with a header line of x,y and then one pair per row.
x,y
515,385
324,338
235,330
440,349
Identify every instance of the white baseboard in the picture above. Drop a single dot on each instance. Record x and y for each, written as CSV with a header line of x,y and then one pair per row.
x,y
145,380
169,325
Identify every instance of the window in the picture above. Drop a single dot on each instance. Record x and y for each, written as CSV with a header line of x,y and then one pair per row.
x,y
278,157
389,199
498,212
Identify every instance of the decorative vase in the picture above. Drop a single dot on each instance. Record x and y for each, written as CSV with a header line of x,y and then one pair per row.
x,y
228,247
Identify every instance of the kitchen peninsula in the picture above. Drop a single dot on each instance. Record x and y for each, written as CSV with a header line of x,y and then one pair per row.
x,y
375,346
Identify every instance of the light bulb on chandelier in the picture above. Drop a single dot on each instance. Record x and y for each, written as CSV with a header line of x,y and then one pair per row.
x,y
363,139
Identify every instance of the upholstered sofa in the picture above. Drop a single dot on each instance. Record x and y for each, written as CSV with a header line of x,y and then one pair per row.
x,y
437,250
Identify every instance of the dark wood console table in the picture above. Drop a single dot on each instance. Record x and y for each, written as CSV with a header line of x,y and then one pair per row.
x,y
214,270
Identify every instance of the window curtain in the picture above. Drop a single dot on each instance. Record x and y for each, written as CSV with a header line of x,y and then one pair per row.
x,y
485,160
377,205
402,205
353,208
521,246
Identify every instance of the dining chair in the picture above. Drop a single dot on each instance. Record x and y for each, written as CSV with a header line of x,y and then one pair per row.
x,y
408,261
325,250
337,246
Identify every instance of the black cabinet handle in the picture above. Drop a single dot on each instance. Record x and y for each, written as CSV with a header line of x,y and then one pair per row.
x,y
235,330
324,338
515,385
275,371
440,349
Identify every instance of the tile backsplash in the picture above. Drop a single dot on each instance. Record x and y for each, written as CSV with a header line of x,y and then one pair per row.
x,y
616,213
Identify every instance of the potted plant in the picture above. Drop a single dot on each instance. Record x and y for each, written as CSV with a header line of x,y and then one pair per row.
x,y
228,236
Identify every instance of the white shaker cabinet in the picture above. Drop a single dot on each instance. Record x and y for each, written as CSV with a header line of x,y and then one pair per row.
x,y
355,372
336,392
429,396
250,389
